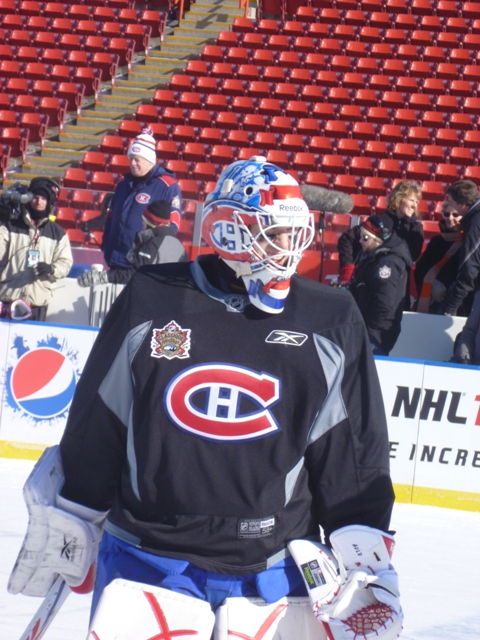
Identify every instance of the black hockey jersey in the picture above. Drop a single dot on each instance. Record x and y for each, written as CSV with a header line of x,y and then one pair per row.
x,y
216,433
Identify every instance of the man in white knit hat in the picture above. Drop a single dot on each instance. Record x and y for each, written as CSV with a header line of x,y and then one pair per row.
x,y
147,182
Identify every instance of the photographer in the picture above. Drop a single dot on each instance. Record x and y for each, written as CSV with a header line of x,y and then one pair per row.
x,y
34,250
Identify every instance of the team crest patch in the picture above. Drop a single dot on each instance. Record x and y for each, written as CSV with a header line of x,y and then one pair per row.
x,y
175,203
142,198
384,272
170,342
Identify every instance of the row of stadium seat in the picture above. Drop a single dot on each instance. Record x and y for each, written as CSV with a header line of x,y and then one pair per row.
x,y
417,8
18,16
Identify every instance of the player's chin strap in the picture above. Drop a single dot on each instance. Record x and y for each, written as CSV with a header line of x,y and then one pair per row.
x,y
62,537
358,595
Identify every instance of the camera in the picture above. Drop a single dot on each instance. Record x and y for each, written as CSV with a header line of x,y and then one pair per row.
x,y
12,201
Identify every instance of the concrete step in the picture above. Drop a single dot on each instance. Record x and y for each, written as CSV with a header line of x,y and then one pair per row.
x,y
209,31
175,47
172,53
145,85
170,64
29,171
80,136
59,155
207,19
186,41
233,12
99,122
116,100
61,146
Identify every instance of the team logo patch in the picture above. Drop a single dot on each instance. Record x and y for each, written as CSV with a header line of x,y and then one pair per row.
x,y
175,204
170,342
384,272
223,402
142,198
286,337
42,382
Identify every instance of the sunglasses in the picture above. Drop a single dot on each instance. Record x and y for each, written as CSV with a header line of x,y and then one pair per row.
x,y
452,214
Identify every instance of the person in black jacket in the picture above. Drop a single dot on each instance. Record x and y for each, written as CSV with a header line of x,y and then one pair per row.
x,y
464,198
437,268
402,207
379,281
156,244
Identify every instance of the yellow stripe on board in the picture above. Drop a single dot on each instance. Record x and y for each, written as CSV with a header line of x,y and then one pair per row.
x,y
446,498
21,450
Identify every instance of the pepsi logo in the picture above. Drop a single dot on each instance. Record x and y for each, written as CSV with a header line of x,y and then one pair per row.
x,y
42,383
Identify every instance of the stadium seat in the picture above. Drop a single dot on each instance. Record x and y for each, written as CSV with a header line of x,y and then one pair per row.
x,y
112,144
465,156
76,178
390,168
66,217
281,124
76,236
168,149
208,135
405,151
346,183
375,186
119,164
448,172
194,152
222,154
184,133
305,161
294,142
419,170
365,130
377,148
317,178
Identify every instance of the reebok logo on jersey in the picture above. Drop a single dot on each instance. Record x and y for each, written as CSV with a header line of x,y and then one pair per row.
x,y
286,337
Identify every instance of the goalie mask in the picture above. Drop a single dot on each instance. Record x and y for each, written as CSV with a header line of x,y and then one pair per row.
x,y
257,221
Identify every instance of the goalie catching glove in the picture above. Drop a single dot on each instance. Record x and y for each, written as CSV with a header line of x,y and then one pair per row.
x,y
358,596
62,537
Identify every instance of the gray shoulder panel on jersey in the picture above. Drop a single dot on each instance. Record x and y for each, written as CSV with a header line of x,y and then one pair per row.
x,y
333,409
117,389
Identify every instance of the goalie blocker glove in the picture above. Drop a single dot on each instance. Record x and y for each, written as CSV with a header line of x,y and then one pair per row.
x,y
62,537
363,601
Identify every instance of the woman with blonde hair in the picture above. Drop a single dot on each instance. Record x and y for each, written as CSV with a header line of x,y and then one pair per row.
x,y
402,209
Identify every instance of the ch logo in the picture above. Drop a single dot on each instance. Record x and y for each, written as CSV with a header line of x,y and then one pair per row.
x,y
223,402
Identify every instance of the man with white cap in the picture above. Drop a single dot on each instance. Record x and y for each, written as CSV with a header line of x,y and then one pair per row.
x,y
147,182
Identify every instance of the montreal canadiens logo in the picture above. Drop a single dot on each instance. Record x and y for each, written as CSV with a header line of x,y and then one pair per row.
x,y
42,383
142,198
223,402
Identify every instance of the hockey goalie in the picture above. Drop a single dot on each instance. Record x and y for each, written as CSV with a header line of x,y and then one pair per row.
x,y
224,469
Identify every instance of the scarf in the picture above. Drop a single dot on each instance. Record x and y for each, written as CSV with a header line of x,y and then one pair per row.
x,y
453,236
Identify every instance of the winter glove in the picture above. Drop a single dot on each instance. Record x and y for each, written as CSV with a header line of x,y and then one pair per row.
x,y
91,278
42,270
439,291
345,274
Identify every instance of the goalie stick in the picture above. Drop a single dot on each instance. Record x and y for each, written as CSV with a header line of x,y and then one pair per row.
x,y
47,611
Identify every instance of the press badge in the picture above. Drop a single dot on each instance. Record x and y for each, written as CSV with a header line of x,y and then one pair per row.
x,y
33,257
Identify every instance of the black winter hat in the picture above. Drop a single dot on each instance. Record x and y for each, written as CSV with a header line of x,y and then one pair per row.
x,y
46,188
157,213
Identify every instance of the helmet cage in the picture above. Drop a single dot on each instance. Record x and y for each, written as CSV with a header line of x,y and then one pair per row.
x,y
264,252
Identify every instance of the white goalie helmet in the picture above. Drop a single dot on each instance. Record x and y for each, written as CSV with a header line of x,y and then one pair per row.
x,y
254,203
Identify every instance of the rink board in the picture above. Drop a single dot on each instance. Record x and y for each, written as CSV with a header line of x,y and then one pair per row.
x,y
433,410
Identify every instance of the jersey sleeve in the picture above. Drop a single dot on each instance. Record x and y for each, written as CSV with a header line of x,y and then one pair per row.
x,y
93,446
349,246
348,457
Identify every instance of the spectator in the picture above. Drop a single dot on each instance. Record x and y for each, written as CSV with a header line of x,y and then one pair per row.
x,y
438,265
379,281
34,251
156,244
146,183
464,198
467,343
402,206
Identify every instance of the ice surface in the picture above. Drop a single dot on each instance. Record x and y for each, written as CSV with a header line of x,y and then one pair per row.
x,y
437,556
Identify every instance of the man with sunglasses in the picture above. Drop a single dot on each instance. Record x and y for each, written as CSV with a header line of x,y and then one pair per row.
x,y
379,281
464,198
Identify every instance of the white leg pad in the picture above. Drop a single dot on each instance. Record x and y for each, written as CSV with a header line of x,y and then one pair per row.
x,y
133,611
254,619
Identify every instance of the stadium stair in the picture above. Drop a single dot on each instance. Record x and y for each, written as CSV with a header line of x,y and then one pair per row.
x,y
182,41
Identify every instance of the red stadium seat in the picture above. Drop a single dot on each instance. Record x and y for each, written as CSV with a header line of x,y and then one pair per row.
x,y
76,178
